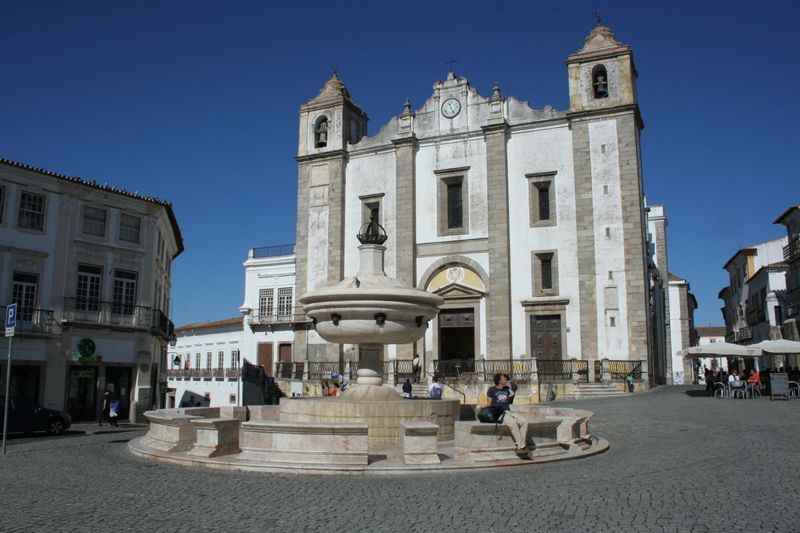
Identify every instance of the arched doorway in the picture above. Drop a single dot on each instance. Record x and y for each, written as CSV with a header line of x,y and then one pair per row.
x,y
457,329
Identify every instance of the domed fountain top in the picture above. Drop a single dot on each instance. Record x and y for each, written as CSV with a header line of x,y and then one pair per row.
x,y
372,233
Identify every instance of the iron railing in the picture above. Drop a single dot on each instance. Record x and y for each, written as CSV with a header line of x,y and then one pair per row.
x,y
272,251
323,369
744,334
791,252
518,369
32,321
453,368
554,369
583,371
793,297
622,369
115,314
598,371
291,370
233,373
755,316
292,315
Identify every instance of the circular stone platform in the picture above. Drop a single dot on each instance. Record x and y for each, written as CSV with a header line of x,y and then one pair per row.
x,y
329,436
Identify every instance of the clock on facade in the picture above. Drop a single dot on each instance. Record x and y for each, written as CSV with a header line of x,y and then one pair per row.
x,y
86,347
451,107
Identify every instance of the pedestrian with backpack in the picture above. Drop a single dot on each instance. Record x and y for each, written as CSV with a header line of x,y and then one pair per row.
x,y
500,398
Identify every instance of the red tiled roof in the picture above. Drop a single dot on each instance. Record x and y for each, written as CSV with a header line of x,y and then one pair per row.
x,y
711,330
203,325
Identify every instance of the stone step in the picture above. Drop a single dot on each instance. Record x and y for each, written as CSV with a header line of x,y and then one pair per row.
x,y
589,391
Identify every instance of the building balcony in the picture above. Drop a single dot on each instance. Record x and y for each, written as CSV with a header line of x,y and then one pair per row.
x,y
291,317
117,315
791,252
756,316
34,322
271,251
793,298
745,334
733,336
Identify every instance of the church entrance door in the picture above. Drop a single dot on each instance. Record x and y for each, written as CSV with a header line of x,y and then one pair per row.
x,y
546,337
457,340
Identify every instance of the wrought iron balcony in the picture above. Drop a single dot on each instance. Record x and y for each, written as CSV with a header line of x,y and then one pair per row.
x,y
287,316
34,322
793,297
755,316
791,252
745,334
117,314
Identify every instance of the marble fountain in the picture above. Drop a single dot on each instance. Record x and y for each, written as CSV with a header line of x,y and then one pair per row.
x,y
369,428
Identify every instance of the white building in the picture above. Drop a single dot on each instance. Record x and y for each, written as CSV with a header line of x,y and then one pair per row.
x,y
710,335
679,303
89,268
529,222
791,256
207,358
757,286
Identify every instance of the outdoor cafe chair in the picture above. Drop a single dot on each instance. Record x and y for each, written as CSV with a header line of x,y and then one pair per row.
x,y
794,389
755,390
720,390
738,388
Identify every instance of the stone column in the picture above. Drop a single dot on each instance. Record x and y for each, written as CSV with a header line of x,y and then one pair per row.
x,y
370,365
498,303
405,148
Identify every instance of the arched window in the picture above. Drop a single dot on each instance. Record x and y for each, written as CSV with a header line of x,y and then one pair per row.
x,y
321,132
599,82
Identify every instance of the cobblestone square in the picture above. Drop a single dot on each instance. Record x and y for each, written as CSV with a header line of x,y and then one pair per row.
x,y
679,461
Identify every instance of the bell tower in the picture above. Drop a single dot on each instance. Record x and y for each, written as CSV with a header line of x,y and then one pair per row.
x,y
329,123
602,73
611,225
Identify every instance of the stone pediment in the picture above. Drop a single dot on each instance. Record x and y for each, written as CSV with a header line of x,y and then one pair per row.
x,y
455,290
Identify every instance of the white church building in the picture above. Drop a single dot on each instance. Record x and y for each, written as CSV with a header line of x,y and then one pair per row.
x,y
531,223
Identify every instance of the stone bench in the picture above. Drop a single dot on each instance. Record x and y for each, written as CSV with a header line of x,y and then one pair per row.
x,y
418,442
264,412
215,436
477,441
328,443
170,431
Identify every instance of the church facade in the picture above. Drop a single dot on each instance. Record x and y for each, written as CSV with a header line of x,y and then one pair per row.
x,y
531,223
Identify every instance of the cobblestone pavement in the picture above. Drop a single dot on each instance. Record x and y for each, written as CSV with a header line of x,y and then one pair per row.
x,y
679,461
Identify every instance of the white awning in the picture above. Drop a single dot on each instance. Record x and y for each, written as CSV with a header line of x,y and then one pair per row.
x,y
720,349
778,347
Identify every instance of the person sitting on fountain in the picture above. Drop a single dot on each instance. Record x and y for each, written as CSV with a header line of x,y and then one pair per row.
x,y
500,398
435,388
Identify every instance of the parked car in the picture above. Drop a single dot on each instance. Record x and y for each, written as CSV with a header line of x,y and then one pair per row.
x,y
27,416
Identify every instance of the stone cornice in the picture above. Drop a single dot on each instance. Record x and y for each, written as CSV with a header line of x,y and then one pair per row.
x,y
607,111
334,154
410,139
495,128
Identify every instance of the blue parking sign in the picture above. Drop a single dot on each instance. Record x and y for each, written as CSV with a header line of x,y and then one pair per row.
x,y
11,316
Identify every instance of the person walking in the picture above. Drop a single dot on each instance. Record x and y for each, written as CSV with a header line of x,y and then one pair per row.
x,y
416,367
113,411
104,408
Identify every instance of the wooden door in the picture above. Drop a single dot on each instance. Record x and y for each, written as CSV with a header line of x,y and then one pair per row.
x,y
546,336
265,358
285,353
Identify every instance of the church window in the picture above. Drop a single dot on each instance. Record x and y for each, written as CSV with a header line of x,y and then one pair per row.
x,y
545,273
452,202
321,132
599,81
371,208
541,201
454,212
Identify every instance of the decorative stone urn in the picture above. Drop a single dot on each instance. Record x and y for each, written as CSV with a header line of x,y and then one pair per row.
x,y
371,310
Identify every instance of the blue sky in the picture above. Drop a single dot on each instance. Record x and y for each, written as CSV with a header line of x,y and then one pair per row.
x,y
197,103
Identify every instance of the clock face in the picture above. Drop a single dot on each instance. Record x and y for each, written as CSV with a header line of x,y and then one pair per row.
x,y
451,107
